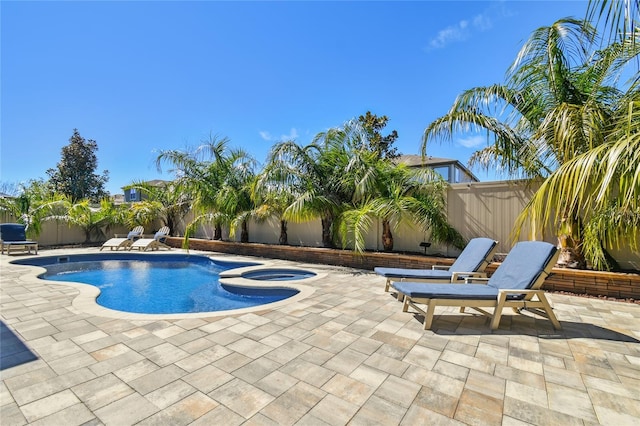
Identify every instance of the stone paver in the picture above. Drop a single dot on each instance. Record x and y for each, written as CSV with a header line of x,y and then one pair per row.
x,y
345,354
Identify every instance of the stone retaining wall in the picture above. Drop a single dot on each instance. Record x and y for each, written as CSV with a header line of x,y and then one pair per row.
x,y
610,284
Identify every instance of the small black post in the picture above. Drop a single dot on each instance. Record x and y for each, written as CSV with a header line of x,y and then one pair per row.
x,y
424,245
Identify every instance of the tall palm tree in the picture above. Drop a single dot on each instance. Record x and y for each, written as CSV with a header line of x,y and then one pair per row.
x,y
92,220
621,17
201,173
605,180
234,197
556,105
169,203
34,204
275,189
313,171
397,194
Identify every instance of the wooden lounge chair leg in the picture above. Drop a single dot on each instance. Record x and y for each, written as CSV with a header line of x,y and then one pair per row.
x,y
549,310
405,305
428,316
497,312
386,286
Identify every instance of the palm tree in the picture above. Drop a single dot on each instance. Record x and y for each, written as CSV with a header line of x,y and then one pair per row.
x,y
92,220
272,193
605,180
218,180
234,197
34,204
396,194
168,202
621,17
317,173
557,105
200,172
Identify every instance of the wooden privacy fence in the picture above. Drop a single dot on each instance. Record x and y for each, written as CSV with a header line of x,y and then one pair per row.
x,y
487,209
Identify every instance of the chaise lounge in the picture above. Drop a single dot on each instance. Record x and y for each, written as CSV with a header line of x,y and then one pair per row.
x,y
13,237
515,284
118,242
155,243
471,262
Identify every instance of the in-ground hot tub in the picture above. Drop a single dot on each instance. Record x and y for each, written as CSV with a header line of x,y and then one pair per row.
x,y
278,274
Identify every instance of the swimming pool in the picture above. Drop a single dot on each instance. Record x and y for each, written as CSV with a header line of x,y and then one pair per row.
x,y
159,283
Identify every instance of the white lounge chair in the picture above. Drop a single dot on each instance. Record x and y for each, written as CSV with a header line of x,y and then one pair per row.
x,y
117,243
155,243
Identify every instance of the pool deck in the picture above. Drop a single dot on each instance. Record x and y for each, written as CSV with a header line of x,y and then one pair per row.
x,y
344,354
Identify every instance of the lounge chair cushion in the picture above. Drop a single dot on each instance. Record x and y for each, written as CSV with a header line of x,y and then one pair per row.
x,y
522,267
412,273
133,234
470,260
473,255
13,232
446,291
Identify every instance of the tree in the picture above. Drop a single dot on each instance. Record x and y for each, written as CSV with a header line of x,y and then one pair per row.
x,y
398,194
33,204
219,180
201,172
621,17
169,203
276,187
74,175
318,172
381,145
557,111
234,198
92,220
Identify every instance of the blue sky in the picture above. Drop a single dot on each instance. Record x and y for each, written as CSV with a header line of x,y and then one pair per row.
x,y
142,76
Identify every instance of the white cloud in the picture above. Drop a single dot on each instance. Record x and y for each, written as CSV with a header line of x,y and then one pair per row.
x,y
472,141
464,29
449,34
293,134
482,22
265,135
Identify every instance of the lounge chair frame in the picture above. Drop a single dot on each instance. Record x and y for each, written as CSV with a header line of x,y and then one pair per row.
x,y
456,276
120,242
534,301
20,243
154,243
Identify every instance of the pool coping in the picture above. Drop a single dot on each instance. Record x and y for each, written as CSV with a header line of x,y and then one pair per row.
x,y
85,301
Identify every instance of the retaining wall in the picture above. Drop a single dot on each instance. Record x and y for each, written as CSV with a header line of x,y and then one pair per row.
x,y
609,284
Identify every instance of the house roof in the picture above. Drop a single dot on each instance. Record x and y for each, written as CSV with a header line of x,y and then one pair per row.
x,y
154,182
413,160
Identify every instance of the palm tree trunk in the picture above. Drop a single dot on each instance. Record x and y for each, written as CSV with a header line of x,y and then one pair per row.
x,y
244,235
327,241
387,236
217,232
284,238
570,244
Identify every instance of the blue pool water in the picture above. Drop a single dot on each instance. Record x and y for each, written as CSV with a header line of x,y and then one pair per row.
x,y
278,275
161,284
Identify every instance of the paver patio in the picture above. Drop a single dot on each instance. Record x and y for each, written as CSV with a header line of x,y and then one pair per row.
x,y
346,354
